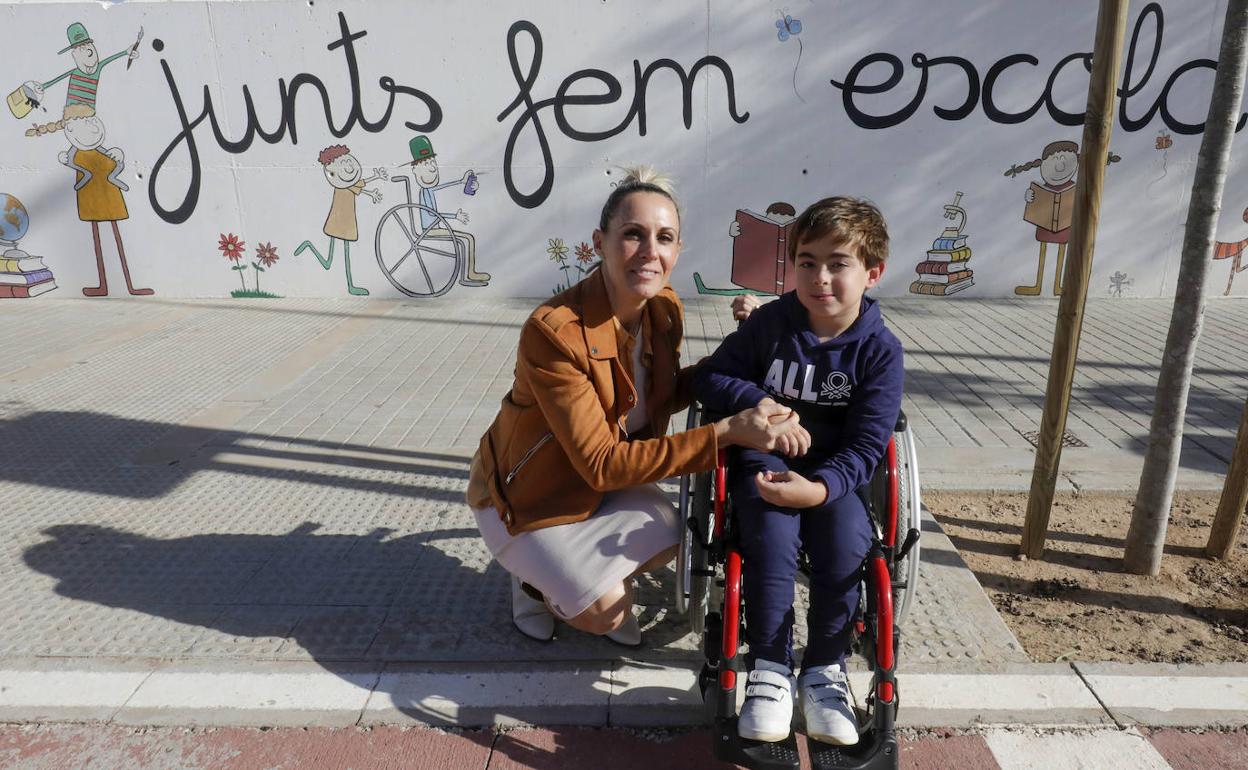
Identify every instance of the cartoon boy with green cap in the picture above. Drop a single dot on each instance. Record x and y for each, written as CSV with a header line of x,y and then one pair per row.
x,y
84,78
429,179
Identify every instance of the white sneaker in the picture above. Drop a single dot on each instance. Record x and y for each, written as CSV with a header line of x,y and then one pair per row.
x,y
768,711
530,616
825,705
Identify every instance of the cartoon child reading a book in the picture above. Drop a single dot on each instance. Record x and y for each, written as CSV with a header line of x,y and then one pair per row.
x,y
1049,206
758,253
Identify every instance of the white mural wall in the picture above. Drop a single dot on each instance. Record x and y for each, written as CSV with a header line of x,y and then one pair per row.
x,y
316,148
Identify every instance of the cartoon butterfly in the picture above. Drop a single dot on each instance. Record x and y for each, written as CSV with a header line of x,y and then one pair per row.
x,y
1164,141
787,26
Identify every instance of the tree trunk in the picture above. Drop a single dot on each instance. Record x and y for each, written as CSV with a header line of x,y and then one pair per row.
x,y
1233,505
1151,514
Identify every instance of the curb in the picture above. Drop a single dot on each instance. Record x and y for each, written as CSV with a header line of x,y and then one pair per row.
x,y
606,693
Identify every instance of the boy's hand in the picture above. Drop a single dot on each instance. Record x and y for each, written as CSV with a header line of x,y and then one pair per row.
x,y
795,442
744,304
790,490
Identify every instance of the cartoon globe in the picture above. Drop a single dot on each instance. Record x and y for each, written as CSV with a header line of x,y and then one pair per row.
x,y
14,221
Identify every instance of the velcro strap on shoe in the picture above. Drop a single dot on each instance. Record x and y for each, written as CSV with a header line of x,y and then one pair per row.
x,y
824,678
766,684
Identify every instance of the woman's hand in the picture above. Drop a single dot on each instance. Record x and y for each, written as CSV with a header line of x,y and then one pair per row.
x,y
765,427
790,490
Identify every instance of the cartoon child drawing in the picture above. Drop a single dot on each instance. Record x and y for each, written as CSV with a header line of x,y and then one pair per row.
x,y
84,78
343,173
1235,252
98,185
1050,206
425,169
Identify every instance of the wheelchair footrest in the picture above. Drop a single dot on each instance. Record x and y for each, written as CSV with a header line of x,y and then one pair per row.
x,y
874,751
753,755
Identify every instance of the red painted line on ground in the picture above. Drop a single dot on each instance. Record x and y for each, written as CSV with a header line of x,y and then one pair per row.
x,y
1201,751
559,748
56,747
936,752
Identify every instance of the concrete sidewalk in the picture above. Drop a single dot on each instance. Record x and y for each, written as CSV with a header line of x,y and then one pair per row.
x,y
223,489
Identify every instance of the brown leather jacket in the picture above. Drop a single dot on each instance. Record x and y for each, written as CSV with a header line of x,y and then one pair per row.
x,y
558,442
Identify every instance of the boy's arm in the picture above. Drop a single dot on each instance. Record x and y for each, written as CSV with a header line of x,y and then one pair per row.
x,y
726,382
872,417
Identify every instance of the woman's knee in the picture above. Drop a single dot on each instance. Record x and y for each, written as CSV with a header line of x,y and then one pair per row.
x,y
658,560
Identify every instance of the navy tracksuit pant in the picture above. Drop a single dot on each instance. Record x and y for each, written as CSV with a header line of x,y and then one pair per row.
x,y
835,536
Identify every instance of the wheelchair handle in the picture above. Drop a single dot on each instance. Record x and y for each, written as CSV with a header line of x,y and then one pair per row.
x,y
912,537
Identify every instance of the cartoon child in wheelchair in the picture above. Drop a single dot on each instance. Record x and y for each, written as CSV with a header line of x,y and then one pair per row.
x,y
418,249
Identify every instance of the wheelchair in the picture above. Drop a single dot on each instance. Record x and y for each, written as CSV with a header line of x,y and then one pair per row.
x,y
708,590
414,261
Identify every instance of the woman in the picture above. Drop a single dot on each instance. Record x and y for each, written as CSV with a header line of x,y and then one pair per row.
x,y
563,483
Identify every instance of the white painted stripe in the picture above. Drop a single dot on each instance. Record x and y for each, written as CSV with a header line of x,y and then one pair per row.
x,y
240,697
36,690
1168,693
498,697
1093,750
995,692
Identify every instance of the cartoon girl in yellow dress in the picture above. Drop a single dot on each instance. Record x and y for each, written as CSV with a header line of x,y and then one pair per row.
x,y
99,187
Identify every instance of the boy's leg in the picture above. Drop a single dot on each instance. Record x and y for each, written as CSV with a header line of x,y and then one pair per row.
x,y
836,541
358,291
325,261
769,544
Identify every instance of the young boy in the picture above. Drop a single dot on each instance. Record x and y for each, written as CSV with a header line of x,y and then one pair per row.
x,y
822,350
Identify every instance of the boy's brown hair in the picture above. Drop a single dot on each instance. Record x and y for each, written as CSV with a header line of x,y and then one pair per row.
x,y
853,221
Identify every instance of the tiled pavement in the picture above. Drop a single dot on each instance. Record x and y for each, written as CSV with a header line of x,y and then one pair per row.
x,y
282,480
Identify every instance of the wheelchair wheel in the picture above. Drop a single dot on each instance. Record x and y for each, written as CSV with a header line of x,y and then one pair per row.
x,y
693,559
414,261
910,516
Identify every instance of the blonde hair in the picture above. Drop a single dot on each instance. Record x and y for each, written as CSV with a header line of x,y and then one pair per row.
x,y
72,111
641,178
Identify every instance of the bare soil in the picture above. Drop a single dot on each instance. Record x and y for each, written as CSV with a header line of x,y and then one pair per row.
x,y
1078,603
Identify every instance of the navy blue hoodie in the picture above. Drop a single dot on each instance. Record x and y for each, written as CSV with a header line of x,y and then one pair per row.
x,y
847,390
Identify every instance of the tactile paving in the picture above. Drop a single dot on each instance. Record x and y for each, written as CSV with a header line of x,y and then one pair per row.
x,y
325,518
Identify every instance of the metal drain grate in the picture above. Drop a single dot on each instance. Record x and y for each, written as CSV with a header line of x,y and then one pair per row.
x,y
1068,439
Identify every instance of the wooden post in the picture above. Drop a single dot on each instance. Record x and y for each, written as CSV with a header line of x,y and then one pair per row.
x,y
1111,24
1233,506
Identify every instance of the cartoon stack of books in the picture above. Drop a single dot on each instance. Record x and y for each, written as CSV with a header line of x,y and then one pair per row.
x,y
23,275
947,267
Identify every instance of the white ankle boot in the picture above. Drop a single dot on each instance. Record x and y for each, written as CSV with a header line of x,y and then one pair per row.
x,y
629,632
529,615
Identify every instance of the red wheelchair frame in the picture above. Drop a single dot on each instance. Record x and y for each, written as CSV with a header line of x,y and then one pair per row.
x,y
708,589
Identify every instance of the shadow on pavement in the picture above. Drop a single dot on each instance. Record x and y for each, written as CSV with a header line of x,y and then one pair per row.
x,y
122,457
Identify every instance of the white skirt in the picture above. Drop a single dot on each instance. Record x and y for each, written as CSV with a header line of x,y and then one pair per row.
x,y
574,564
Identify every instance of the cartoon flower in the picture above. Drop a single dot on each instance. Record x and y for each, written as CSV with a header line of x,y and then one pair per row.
x,y
267,254
231,247
557,251
584,252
